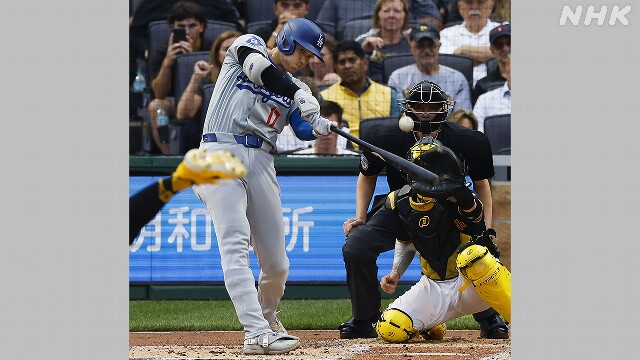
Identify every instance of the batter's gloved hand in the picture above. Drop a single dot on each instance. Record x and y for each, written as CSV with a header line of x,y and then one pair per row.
x,y
322,126
486,240
307,103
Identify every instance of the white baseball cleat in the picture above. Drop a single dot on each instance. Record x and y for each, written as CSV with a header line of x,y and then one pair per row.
x,y
201,167
270,343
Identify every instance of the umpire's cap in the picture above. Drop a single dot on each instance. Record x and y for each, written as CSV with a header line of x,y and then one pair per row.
x,y
304,32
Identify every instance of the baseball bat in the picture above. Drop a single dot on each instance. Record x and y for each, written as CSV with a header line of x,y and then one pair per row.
x,y
416,172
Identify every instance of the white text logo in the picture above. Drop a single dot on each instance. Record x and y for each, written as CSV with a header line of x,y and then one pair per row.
x,y
616,14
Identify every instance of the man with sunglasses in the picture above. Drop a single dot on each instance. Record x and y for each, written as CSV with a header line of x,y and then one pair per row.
x,y
500,37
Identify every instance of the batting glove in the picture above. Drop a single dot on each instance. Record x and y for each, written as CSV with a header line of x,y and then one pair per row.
x,y
307,103
322,126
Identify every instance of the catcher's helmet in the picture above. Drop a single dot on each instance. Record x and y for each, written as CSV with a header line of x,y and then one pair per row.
x,y
432,155
302,31
426,92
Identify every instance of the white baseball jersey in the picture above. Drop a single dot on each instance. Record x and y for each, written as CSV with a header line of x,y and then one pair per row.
x,y
240,106
247,212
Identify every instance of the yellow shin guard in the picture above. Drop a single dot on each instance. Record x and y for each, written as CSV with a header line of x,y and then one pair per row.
x,y
491,279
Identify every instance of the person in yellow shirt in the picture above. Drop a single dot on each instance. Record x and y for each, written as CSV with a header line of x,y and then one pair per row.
x,y
359,96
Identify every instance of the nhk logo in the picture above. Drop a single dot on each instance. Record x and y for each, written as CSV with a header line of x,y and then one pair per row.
x,y
617,14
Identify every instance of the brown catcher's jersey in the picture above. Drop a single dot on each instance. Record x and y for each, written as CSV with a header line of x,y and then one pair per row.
x,y
436,229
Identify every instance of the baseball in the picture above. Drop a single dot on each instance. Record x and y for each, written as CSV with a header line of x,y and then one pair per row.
x,y
405,123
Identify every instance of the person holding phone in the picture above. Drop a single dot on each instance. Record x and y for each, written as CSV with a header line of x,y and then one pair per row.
x,y
187,22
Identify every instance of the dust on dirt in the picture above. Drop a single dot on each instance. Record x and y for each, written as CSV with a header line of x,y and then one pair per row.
x,y
316,345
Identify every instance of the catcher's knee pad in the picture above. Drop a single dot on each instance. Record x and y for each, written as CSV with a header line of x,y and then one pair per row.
x,y
395,326
491,279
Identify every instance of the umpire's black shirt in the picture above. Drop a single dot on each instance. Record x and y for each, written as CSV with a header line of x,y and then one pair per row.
x,y
471,146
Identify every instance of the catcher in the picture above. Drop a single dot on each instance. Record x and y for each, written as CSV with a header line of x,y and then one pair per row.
x,y
445,225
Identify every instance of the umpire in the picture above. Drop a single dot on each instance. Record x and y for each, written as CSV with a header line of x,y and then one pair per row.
x,y
428,106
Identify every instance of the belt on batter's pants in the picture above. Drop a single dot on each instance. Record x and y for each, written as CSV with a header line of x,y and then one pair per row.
x,y
247,140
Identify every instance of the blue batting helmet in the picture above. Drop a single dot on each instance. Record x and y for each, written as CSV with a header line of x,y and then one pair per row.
x,y
302,31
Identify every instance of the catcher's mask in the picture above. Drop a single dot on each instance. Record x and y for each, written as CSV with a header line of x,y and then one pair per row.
x,y
430,154
426,92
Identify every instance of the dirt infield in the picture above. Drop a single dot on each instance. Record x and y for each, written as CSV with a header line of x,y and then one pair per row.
x,y
316,344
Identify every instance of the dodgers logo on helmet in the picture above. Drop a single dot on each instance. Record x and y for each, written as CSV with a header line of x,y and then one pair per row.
x,y
303,32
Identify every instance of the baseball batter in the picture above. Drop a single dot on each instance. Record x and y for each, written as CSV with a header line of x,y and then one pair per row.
x,y
254,98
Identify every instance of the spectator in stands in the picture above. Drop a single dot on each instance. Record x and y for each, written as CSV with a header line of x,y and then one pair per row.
x,y
330,144
337,13
386,37
471,38
425,43
284,10
451,14
154,10
359,96
496,101
323,72
185,15
500,38
464,118
204,73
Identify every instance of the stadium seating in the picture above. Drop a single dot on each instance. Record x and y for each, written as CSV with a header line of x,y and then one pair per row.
x,y
253,26
461,63
261,10
492,64
314,9
181,129
258,10
498,130
394,62
133,5
353,28
215,28
184,70
208,92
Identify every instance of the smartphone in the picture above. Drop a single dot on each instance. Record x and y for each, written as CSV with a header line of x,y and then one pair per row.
x,y
179,34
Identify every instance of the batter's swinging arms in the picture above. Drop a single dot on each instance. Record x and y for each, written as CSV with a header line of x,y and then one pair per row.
x,y
254,98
